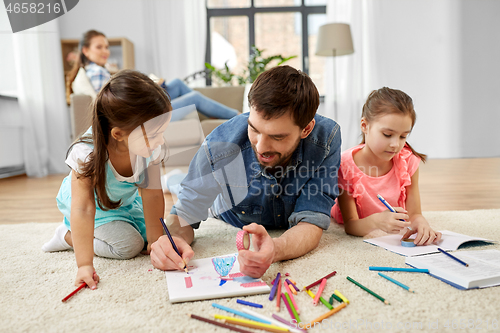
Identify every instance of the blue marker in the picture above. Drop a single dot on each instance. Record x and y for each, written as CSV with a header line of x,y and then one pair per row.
x,y
389,207
241,314
255,305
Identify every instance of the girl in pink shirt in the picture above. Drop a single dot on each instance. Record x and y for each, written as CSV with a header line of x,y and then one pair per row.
x,y
384,163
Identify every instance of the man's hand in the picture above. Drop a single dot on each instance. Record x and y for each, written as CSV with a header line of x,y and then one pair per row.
x,y
255,263
164,257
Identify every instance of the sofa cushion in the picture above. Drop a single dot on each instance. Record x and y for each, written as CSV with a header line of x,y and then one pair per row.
x,y
230,96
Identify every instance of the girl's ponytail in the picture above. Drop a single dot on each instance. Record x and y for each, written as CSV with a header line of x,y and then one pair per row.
x,y
96,168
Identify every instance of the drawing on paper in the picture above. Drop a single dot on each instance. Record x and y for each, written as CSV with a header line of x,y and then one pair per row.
x,y
212,278
223,265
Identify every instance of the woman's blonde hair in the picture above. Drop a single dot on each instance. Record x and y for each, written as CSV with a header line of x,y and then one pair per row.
x,y
385,101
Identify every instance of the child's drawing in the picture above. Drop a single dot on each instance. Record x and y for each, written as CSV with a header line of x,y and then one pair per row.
x,y
223,265
212,278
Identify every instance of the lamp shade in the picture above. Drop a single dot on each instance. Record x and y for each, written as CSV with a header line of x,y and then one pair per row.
x,y
334,39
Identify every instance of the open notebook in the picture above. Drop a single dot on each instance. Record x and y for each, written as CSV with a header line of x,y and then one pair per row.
x,y
209,278
483,270
450,241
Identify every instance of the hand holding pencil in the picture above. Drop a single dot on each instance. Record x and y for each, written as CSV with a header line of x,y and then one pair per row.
x,y
87,274
170,252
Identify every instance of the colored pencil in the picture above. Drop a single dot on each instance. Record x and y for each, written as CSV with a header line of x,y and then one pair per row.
x,y
213,322
74,292
319,281
287,323
396,269
294,311
328,305
239,313
251,324
255,305
172,242
320,291
336,298
291,290
275,286
273,321
342,297
453,257
395,282
324,316
291,283
278,299
368,290
291,297
287,306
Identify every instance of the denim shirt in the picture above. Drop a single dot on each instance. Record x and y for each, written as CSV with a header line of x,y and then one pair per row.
x,y
226,177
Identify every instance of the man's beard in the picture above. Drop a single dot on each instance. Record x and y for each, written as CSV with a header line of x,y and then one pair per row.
x,y
281,160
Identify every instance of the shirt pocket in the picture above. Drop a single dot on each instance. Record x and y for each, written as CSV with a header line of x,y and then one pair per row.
x,y
249,213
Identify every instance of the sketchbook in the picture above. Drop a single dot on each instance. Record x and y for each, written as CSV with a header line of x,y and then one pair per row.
x,y
483,270
210,278
450,241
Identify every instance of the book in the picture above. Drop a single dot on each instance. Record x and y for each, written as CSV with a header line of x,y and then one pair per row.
x,y
483,270
450,241
209,278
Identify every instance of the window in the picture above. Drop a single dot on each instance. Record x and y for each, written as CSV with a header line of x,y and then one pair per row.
x,y
286,27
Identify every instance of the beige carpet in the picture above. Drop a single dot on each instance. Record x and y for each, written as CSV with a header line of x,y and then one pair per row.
x,y
133,297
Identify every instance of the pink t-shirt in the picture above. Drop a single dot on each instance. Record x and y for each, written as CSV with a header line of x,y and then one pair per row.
x,y
364,188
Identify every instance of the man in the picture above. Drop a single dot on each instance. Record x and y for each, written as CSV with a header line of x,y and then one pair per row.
x,y
272,168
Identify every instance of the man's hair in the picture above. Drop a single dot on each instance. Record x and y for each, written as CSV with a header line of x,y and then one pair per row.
x,y
282,89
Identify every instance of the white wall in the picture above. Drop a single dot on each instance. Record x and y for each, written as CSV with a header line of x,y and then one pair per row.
x,y
11,129
446,56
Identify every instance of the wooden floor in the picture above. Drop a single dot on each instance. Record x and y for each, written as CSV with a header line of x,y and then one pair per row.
x,y
445,184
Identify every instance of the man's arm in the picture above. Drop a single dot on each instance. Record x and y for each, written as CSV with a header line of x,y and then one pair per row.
x,y
297,241
293,243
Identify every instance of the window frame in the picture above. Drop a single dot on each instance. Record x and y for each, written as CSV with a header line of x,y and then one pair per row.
x,y
251,11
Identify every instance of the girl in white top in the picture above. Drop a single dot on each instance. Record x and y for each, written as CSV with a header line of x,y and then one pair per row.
x,y
120,153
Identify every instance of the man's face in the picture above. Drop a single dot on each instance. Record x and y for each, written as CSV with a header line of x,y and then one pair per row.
x,y
274,140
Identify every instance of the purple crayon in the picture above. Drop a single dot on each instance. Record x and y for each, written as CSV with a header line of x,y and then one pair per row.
x,y
293,285
275,286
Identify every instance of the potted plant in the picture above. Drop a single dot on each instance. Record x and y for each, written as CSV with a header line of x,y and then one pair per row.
x,y
256,65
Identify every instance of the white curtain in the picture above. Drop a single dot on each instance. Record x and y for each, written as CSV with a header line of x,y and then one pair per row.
x,y
41,96
354,72
177,35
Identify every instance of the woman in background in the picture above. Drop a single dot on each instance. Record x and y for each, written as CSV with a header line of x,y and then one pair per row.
x,y
91,62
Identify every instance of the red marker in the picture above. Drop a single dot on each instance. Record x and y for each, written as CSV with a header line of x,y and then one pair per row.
x,y
74,292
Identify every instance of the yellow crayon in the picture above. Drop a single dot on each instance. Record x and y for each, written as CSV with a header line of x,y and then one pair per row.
x,y
345,300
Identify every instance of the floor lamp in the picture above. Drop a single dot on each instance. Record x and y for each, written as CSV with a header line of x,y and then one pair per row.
x,y
334,39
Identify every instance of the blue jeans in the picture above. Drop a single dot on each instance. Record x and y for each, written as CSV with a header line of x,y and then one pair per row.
x,y
181,95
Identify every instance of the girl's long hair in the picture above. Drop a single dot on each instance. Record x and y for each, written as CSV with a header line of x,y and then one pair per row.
x,y
127,101
82,60
385,101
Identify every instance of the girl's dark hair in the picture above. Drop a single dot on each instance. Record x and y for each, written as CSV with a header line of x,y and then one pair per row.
x,y
282,89
128,100
385,101
82,60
